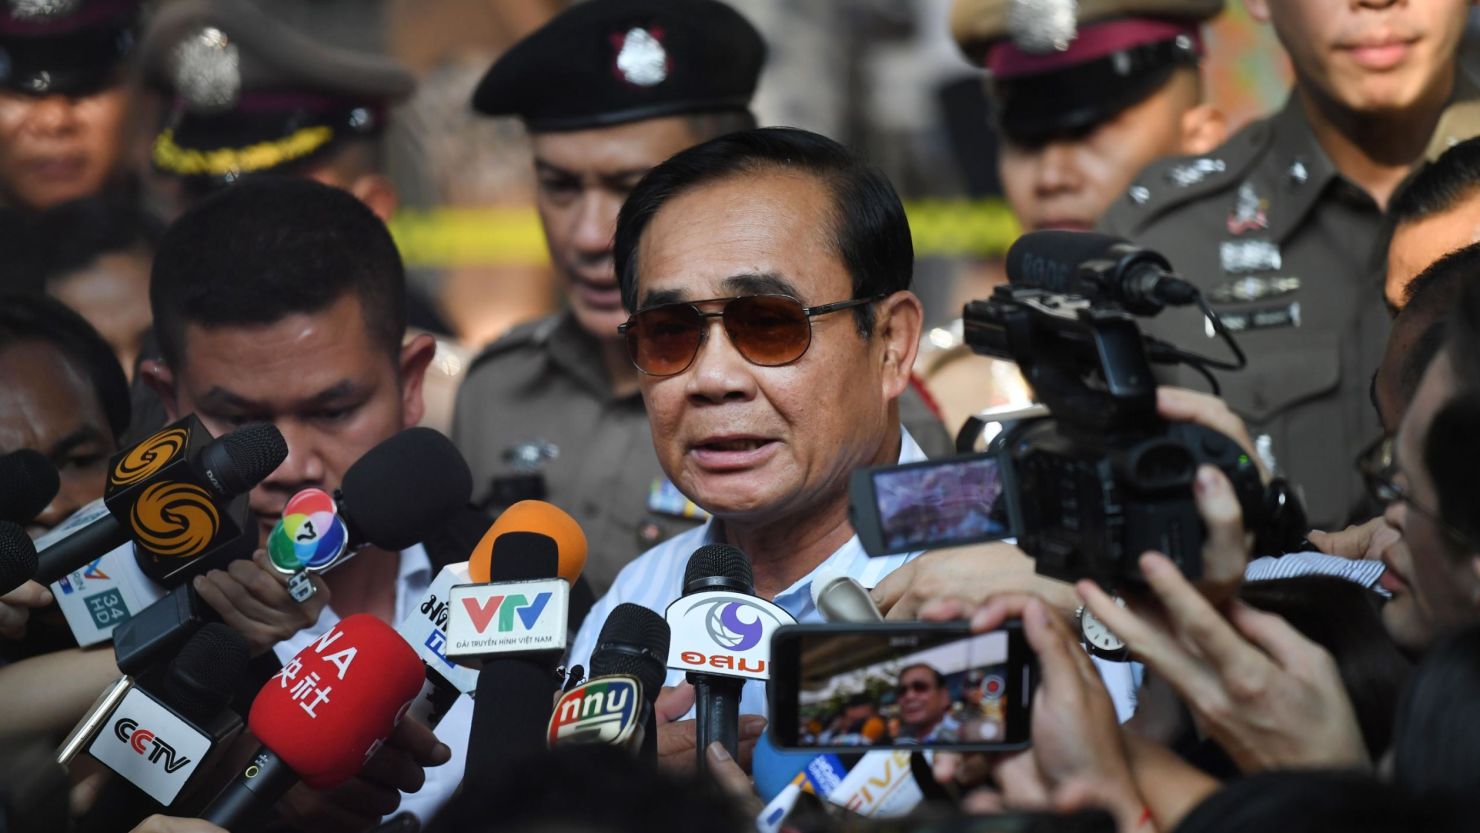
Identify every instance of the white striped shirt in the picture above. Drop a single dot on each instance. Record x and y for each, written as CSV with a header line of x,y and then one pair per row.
x,y
655,580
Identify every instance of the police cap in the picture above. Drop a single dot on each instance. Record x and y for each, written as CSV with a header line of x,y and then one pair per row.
x,y
1062,66
66,47
254,94
606,62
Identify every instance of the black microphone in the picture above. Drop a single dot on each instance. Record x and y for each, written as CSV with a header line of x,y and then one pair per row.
x,y
1097,266
717,696
515,690
170,501
396,494
634,642
17,557
166,730
28,482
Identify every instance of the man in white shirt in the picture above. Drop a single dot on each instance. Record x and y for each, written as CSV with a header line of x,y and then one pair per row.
x,y
768,274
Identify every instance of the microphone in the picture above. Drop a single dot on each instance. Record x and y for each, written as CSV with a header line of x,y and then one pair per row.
x,y
322,716
1097,266
28,482
517,622
176,502
396,494
17,557
158,736
627,672
840,598
721,637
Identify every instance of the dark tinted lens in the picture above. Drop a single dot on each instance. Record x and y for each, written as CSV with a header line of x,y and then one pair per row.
x,y
768,329
663,340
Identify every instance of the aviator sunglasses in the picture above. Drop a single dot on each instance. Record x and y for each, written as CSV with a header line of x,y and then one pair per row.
x,y
768,330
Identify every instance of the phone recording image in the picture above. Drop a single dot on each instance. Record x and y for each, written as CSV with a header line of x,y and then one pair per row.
x,y
952,501
934,688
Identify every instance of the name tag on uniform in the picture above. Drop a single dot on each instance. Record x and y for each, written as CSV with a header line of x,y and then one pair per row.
x,y
664,498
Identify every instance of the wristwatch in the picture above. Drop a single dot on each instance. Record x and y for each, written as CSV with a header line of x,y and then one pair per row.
x,y
1099,640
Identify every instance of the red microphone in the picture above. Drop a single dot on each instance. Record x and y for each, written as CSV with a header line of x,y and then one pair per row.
x,y
323,715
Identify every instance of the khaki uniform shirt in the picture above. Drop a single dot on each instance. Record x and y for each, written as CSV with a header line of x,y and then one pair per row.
x,y
1283,247
535,418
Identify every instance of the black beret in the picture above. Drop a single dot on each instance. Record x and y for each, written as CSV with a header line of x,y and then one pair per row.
x,y
606,62
65,47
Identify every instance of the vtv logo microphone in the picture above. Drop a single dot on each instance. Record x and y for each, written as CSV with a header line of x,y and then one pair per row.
x,y
481,611
507,617
148,744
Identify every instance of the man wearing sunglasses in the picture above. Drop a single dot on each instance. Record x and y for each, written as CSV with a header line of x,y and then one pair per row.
x,y
768,274
552,410
925,704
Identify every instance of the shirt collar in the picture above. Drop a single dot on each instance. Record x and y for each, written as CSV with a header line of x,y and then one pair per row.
x,y
849,559
578,353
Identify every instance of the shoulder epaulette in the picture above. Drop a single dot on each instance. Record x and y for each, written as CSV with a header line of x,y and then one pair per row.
x,y
528,334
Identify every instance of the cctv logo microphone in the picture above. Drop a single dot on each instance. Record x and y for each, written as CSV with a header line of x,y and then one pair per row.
x,y
323,716
721,637
615,706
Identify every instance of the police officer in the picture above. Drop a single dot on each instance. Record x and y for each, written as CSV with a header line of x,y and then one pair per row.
x,y
1277,225
608,89
1076,122
64,99
253,95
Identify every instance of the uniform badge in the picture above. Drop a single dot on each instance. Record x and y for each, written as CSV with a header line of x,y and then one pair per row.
x,y
641,59
530,456
1263,318
664,498
1298,173
1042,26
1253,288
208,70
1249,211
1238,256
1191,173
41,9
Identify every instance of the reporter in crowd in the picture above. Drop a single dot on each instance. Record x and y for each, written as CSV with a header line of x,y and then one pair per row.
x,y
1434,212
282,300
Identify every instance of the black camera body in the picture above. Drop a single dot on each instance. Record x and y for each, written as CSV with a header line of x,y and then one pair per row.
x,y
1105,478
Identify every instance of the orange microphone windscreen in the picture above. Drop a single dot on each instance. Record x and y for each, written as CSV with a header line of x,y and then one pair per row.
x,y
873,729
534,516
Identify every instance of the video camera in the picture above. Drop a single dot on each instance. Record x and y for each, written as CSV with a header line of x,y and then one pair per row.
x,y
1104,478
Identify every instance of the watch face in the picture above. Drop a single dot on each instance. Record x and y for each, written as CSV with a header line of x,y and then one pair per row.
x,y
1099,639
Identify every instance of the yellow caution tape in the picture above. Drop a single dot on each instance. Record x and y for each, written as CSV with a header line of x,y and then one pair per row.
x,y
450,237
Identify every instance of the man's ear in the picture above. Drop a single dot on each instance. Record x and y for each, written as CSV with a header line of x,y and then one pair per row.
x,y
416,355
1258,9
160,379
898,322
378,194
1204,128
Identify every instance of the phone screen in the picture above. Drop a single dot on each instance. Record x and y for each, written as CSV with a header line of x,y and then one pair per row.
x,y
902,685
932,505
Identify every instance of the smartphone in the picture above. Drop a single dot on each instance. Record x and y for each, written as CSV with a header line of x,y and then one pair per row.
x,y
927,685
934,504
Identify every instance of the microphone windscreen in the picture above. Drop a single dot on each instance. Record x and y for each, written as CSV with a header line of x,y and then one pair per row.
x,y
402,490
718,567
245,457
335,702
205,674
522,556
28,482
534,516
1048,259
17,557
874,729
634,640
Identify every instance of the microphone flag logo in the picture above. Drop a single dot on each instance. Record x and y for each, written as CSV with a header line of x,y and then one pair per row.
x,y
603,710
176,520
723,632
728,631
